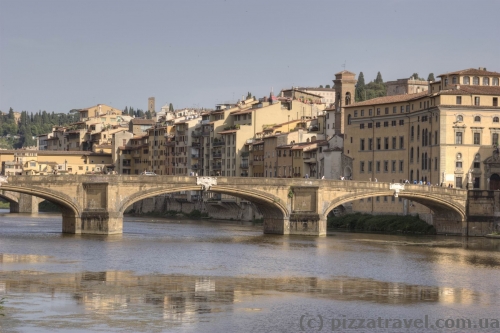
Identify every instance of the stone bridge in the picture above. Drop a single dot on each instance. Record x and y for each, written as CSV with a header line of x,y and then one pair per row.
x,y
94,204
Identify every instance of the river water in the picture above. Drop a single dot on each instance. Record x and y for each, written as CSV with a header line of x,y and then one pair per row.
x,y
206,276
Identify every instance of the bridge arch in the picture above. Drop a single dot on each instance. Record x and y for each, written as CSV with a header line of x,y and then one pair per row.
x,y
439,205
265,202
67,203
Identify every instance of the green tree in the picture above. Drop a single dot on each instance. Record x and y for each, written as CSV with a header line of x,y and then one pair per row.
x,y
431,77
378,79
321,86
249,95
360,88
170,108
327,86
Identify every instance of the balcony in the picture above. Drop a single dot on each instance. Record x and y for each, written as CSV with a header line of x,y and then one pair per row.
x,y
216,155
216,167
219,143
244,166
245,154
195,144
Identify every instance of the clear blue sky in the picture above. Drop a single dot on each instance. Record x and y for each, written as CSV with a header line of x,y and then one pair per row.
x,y
58,55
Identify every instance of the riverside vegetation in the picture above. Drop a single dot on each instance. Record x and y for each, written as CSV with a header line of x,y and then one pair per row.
x,y
380,223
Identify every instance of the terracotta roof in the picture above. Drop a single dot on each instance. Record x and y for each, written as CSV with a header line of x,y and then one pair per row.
x,y
472,71
389,99
136,121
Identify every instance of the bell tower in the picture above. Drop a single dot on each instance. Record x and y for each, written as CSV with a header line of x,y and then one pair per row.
x,y
345,90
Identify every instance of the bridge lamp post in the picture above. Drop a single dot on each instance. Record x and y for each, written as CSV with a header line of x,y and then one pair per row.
x,y
65,165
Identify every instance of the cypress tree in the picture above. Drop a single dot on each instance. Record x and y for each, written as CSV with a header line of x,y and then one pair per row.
x,y
431,77
360,88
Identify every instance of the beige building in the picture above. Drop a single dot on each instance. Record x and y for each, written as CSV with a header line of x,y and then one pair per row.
x,y
35,162
406,86
446,136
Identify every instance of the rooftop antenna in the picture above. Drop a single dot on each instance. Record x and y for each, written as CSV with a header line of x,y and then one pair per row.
x,y
344,64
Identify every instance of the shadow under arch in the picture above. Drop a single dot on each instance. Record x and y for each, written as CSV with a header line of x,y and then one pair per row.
x,y
66,203
438,205
266,203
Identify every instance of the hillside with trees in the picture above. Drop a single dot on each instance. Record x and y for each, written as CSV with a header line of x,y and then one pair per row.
x,y
20,133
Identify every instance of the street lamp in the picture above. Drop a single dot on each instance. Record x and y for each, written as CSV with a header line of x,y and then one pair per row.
x,y
65,165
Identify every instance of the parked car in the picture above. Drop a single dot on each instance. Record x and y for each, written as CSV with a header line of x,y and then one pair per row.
x,y
148,173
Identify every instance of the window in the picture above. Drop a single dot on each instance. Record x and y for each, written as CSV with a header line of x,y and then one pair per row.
x,y
401,122
466,80
454,80
458,138
355,113
477,119
361,126
394,142
458,182
386,124
477,138
370,125
460,118
402,109
362,144
407,108
476,100
386,110
361,166
445,82
362,113
401,142
370,112
378,111
378,143
370,165
495,101
412,133
494,81
386,166
394,109
494,140
386,143
349,120
459,100
475,81
377,166
370,144
401,166
393,123
411,155
495,119
393,166
486,81
377,124
458,165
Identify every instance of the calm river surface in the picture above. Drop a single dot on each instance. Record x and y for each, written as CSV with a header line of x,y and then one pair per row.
x,y
204,276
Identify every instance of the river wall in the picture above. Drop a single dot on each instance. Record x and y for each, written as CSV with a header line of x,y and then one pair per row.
x,y
243,211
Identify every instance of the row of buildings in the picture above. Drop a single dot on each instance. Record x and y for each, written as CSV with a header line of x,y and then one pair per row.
x,y
442,133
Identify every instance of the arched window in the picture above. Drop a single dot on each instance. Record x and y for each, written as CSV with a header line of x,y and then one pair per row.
x,y
495,119
418,153
466,80
411,154
494,81
347,98
418,132
423,138
460,118
475,81
349,119
477,119
477,158
486,81
412,133
459,156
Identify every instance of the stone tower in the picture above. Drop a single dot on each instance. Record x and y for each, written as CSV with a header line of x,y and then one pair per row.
x,y
345,90
151,105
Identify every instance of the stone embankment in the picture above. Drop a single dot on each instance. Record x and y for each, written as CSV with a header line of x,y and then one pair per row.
x,y
217,210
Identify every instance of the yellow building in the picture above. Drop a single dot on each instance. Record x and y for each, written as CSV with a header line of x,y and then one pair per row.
x,y
446,136
35,162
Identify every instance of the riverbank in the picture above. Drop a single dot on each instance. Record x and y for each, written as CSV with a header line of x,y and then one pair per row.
x,y
390,224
